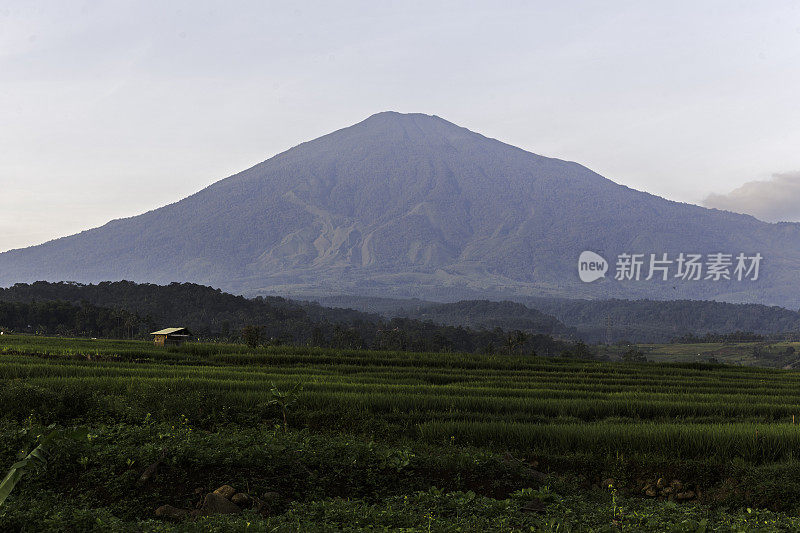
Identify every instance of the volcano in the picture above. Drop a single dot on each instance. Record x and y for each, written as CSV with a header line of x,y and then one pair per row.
x,y
411,205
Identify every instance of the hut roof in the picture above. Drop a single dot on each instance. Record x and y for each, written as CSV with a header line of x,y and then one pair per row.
x,y
172,331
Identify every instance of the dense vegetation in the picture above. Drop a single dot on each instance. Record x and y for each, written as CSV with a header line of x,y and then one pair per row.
x,y
363,439
64,318
204,310
470,326
736,336
129,310
489,315
637,321
662,321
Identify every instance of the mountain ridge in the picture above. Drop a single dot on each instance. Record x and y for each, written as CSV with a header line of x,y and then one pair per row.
x,y
411,205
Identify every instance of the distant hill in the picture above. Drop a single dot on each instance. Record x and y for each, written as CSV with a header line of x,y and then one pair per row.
x,y
374,304
595,320
413,206
201,309
124,308
489,315
662,321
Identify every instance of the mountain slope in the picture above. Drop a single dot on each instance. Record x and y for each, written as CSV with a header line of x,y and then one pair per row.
x,y
413,206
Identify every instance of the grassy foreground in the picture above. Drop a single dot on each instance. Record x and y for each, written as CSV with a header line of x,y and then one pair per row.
x,y
335,440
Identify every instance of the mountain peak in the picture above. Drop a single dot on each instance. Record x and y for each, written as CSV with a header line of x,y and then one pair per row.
x,y
396,115
430,131
418,120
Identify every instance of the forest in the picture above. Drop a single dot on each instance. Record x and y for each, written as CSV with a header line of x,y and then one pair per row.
x,y
129,310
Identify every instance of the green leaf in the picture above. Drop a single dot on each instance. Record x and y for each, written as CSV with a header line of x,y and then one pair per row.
x,y
37,458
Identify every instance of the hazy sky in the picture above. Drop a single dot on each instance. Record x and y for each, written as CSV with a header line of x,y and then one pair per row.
x,y
112,108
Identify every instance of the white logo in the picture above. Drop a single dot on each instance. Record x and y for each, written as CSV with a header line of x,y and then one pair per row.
x,y
688,267
591,267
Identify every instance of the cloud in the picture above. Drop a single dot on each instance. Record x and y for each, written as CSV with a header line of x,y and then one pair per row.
x,y
773,200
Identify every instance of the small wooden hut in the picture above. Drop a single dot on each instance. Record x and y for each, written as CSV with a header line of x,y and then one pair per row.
x,y
170,336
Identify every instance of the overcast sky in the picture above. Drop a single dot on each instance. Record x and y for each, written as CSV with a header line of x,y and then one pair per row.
x,y
112,108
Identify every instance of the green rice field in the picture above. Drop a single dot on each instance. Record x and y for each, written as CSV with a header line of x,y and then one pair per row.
x,y
469,440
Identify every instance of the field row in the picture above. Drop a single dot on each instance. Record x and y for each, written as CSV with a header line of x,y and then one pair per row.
x,y
552,405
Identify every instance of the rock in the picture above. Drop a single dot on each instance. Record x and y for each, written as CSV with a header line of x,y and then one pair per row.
x,y
534,506
535,475
226,491
152,469
149,472
241,499
271,497
651,492
666,491
661,483
688,495
676,485
171,513
215,503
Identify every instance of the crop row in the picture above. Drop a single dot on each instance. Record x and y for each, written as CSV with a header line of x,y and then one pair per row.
x,y
227,354
752,442
175,395
510,402
541,384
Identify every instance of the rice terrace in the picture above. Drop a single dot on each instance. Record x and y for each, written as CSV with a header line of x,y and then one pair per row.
x,y
324,439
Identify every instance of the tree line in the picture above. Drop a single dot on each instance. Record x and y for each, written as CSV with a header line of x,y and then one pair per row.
x,y
64,318
129,310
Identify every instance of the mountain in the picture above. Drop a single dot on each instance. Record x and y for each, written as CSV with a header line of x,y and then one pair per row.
x,y
410,205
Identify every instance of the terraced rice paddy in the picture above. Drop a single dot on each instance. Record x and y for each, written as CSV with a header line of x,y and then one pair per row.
x,y
585,419
510,402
